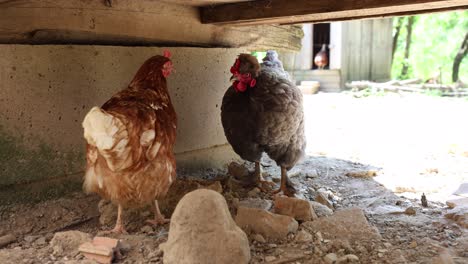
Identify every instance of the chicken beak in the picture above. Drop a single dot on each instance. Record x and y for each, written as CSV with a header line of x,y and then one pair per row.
x,y
233,78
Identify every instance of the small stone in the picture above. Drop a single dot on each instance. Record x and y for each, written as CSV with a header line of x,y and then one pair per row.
x,y
413,244
303,236
267,224
254,192
238,171
387,245
125,246
7,239
350,258
146,229
362,174
256,203
457,202
30,239
216,186
259,238
41,241
320,209
323,199
69,241
318,236
410,211
300,209
270,258
330,258
57,251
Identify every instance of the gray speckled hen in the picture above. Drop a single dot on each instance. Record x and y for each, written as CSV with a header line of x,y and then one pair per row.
x,y
262,112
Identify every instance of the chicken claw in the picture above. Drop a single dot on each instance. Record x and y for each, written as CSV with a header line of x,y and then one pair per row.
x,y
286,185
259,181
119,226
159,218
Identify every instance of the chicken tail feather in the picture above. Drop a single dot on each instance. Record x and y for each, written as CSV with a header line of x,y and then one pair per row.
x,y
109,135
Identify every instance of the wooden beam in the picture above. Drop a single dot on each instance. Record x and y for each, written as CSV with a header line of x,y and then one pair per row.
x,y
143,22
308,11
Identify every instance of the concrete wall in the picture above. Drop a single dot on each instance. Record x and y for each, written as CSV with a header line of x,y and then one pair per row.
x,y
45,91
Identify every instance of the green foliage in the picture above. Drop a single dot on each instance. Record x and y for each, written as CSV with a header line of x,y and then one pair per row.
x,y
436,39
259,55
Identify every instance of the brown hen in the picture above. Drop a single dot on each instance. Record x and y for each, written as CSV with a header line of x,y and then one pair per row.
x,y
130,158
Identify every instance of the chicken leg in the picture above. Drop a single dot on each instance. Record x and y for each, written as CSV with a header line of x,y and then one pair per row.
x,y
259,178
119,226
158,217
286,185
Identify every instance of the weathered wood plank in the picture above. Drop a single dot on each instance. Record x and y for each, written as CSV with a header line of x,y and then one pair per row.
x,y
302,11
143,22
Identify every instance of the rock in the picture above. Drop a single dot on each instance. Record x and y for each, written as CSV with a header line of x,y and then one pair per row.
x,y
146,229
350,258
443,258
299,209
267,224
68,242
410,211
347,224
41,241
254,192
362,174
270,258
413,244
7,239
259,238
460,202
216,186
256,203
30,239
323,199
459,215
330,258
320,209
203,231
303,236
462,190
238,171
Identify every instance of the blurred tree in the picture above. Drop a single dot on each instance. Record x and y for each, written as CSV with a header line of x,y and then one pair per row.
x,y
459,57
436,39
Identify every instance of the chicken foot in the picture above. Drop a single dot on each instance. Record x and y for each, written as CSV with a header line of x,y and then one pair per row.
x,y
159,218
119,226
286,185
259,178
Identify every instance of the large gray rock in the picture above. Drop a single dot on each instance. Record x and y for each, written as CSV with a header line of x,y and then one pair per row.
x,y
203,231
262,222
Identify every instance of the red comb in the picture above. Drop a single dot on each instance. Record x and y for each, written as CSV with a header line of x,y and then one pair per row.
x,y
167,54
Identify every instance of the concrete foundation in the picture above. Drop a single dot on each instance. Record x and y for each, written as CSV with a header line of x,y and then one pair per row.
x,y
45,91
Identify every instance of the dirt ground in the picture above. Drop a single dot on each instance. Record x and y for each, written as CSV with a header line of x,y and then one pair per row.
x,y
378,153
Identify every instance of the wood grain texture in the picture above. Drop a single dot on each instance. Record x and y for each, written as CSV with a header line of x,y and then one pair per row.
x,y
301,11
145,22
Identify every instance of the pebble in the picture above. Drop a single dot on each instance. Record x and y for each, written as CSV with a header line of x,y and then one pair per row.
x,y
254,192
410,211
303,236
270,258
259,238
330,258
413,244
146,229
350,258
